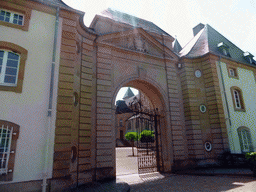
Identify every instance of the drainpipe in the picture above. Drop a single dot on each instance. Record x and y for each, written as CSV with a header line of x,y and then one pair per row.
x,y
49,115
226,101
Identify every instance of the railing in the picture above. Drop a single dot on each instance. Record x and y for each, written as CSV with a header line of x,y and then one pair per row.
x,y
5,148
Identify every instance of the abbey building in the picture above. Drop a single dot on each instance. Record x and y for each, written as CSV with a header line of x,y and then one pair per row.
x,y
59,80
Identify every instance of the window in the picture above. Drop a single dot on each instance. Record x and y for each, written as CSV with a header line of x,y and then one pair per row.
x,y
249,57
129,126
232,71
5,145
14,15
245,139
11,17
9,67
237,99
121,123
224,49
12,66
9,133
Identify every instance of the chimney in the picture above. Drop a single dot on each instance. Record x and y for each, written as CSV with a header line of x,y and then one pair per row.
x,y
198,28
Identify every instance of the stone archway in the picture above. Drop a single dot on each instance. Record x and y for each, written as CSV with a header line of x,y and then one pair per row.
x,y
156,96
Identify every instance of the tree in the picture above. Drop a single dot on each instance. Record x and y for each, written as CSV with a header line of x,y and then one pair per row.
x,y
132,136
147,136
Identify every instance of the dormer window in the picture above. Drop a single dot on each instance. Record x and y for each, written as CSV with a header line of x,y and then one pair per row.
x,y
249,57
224,49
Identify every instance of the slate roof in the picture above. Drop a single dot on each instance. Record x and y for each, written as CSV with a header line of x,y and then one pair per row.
x,y
128,93
121,107
176,46
133,21
206,41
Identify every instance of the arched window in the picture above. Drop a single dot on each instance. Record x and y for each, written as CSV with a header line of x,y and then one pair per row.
x,y
9,133
12,66
245,139
237,99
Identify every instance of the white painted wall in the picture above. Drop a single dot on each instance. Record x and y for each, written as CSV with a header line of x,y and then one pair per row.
x,y
29,108
247,84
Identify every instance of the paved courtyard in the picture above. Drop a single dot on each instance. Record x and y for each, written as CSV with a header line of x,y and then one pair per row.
x,y
170,182
127,171
126,164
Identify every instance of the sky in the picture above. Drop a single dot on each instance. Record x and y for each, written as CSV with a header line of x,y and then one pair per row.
x,y
235,19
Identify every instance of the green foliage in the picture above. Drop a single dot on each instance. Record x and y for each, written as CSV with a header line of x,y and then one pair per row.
x,y
251,156
146,136
131,136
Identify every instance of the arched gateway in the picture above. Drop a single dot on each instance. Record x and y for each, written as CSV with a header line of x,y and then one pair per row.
x,y
121,50
63,99
145,116
112,56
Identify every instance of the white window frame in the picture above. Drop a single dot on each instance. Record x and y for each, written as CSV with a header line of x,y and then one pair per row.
x,y
3,69
237,99
245,140
12,17
5,154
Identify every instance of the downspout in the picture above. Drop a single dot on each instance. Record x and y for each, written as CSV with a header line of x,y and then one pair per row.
x,y
49,115
226,101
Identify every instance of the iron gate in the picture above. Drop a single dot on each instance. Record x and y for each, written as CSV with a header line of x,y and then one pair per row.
x,y
149,147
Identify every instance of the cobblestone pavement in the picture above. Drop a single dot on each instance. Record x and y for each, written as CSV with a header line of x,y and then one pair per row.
x,y
171,182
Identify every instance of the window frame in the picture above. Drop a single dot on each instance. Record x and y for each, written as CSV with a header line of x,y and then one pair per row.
x,y
11,160
230,67
17,9
12,14
224,49
240,132
240,97
22,61
4,66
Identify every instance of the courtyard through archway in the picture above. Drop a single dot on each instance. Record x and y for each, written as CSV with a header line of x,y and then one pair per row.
x,y
138,143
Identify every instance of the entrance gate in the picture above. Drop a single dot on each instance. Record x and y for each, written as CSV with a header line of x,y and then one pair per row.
x,y
149,146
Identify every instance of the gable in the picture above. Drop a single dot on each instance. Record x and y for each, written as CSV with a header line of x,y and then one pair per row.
x,y
138,40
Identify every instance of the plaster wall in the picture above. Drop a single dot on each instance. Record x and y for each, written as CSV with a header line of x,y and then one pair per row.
x,y
29,108
246,82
